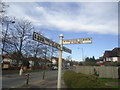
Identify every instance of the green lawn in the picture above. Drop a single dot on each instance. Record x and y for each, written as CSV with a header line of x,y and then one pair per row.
x,y
113,83
108,80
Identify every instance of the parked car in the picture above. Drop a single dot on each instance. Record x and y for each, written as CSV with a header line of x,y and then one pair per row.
x,y
54,68
66,67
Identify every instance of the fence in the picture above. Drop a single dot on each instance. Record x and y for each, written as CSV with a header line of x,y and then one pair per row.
x,y
101,71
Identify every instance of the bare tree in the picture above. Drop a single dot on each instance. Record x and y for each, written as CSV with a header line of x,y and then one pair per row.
x,y
33,48
46,55
3,24
3,7
18,36
69,58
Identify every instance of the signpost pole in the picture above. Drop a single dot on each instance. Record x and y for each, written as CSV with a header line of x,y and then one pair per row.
x,y
60,62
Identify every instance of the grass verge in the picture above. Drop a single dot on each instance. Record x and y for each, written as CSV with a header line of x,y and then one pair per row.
x,y
78,80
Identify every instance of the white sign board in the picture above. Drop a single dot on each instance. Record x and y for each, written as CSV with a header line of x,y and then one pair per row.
x,y
44,40
77,41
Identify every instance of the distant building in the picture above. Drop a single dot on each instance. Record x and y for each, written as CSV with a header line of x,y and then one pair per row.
x,y
54,61
9,62
110,56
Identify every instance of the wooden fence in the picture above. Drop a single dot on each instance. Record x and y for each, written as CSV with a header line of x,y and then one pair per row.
x,y
101,71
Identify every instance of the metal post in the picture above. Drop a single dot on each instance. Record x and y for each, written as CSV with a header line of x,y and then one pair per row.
x,y
82,54
3,41
60,62
6,32
27,78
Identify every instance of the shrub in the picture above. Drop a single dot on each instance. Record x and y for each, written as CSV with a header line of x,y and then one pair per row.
x,y
112,64
69,76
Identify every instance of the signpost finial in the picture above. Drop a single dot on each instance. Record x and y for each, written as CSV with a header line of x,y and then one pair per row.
x,y
61,35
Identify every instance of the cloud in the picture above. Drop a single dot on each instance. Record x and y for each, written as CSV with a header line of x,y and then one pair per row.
x,y
70,17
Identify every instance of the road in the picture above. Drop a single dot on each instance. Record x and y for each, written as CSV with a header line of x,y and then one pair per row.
x,y
14,80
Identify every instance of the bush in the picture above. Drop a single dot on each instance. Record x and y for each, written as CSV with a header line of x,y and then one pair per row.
x,y
78,80
90,64
119,72
112,64
69,76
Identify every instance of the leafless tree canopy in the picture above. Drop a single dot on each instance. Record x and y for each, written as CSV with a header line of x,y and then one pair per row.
x,y
17,38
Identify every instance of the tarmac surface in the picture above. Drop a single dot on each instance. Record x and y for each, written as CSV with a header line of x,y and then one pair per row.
x,y
50,82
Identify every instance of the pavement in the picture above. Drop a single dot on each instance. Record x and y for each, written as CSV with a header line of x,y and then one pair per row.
x,y
50,82
35,80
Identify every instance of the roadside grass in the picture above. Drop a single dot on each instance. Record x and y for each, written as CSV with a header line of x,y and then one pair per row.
x,y
108,80
79,80
115,86
113,83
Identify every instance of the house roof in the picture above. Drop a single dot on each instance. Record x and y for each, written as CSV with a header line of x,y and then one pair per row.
x,y
25,58
117,51
114,53
6,56
56,58
37,59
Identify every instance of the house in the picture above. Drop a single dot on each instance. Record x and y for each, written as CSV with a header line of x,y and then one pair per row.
x,y
54,61
7,61
43,62
75,63
112,56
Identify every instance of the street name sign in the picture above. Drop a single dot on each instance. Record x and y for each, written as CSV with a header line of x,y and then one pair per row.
x,y
78,41
44,40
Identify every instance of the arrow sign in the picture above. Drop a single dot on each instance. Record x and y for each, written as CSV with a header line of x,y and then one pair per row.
x,y
77,41
44,40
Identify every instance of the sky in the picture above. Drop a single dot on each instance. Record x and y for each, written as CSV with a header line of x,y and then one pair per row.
x,y
96,20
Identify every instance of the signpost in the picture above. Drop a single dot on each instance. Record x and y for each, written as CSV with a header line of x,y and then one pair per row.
x,y
61,48
71,41
44,40
77,41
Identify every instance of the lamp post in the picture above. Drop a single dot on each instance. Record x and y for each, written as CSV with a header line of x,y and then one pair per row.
x,y
7,27
82,53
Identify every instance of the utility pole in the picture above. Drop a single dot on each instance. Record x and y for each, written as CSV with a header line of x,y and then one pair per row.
x,y
6,32
82,53
60,62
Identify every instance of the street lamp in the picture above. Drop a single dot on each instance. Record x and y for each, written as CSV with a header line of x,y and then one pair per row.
x,y
82,53
7,27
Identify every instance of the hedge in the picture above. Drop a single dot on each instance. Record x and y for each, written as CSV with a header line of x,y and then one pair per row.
x,y
69,77
78,80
